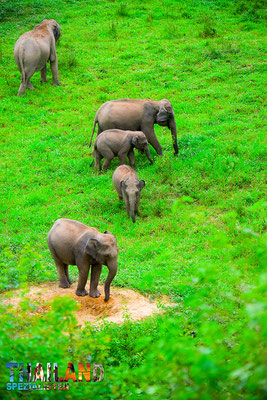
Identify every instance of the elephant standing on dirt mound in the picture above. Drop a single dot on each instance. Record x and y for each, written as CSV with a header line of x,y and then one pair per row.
x,y
34,49
74,243
137,115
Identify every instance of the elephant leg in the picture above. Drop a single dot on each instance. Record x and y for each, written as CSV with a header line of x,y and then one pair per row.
x,y
108,155
67,274
43,74
131,158
29,85
29,71
22,88
54,69
152,139
106,163
83,276
61,270
122,156
155,143
95,275
98,158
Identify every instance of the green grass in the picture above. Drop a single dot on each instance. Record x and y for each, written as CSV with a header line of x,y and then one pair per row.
x,y
200,234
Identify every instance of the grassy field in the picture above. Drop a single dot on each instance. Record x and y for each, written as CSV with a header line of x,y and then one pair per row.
x,y
200,235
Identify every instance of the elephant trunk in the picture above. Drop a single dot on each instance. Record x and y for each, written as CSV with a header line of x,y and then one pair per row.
x,y
148,155
111,274
172,126
132,208
126,202
133,216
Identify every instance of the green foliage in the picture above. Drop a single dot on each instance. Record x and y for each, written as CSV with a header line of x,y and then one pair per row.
x,y
250,9
208,29
122,10
22,267
200,235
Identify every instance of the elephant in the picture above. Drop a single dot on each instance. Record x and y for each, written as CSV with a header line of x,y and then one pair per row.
x,y
128,187
116,142
34,49
74,243
137,115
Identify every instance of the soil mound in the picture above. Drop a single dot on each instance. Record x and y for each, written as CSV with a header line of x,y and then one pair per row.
x,y
122,302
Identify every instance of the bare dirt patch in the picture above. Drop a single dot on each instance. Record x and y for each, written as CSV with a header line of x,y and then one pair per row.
x,y
122,301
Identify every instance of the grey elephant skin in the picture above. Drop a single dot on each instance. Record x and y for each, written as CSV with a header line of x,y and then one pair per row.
x,y
116,142
137,115
128,187
74,243
34,49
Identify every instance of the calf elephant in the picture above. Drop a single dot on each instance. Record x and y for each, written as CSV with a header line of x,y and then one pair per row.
x,y
128,187
137,115
74,243
115,142
34,49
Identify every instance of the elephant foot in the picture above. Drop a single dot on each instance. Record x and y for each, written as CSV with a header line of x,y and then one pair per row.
x,y
64,285
22,90
56,83
70,282
81,292
44,80
30,86
94,294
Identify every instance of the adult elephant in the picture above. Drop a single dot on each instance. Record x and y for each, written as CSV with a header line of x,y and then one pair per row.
x,y
137,115
34,49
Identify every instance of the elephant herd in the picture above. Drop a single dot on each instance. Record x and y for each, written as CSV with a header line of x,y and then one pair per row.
x,y
122,126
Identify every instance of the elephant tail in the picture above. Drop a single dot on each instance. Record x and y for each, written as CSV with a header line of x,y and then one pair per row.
x,y
21,63
95,122
93,154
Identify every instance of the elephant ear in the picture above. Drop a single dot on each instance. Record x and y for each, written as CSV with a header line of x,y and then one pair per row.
x,y
141,185
56,31
123,185
163,115
91,248
135,141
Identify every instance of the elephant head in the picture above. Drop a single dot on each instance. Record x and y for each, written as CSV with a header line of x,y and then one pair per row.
x,y
165,117
54,26
103,250
141,144
131,191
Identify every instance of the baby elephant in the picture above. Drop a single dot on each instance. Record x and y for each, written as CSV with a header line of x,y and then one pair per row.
x,y
34,49
115,142
73,243
129,188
